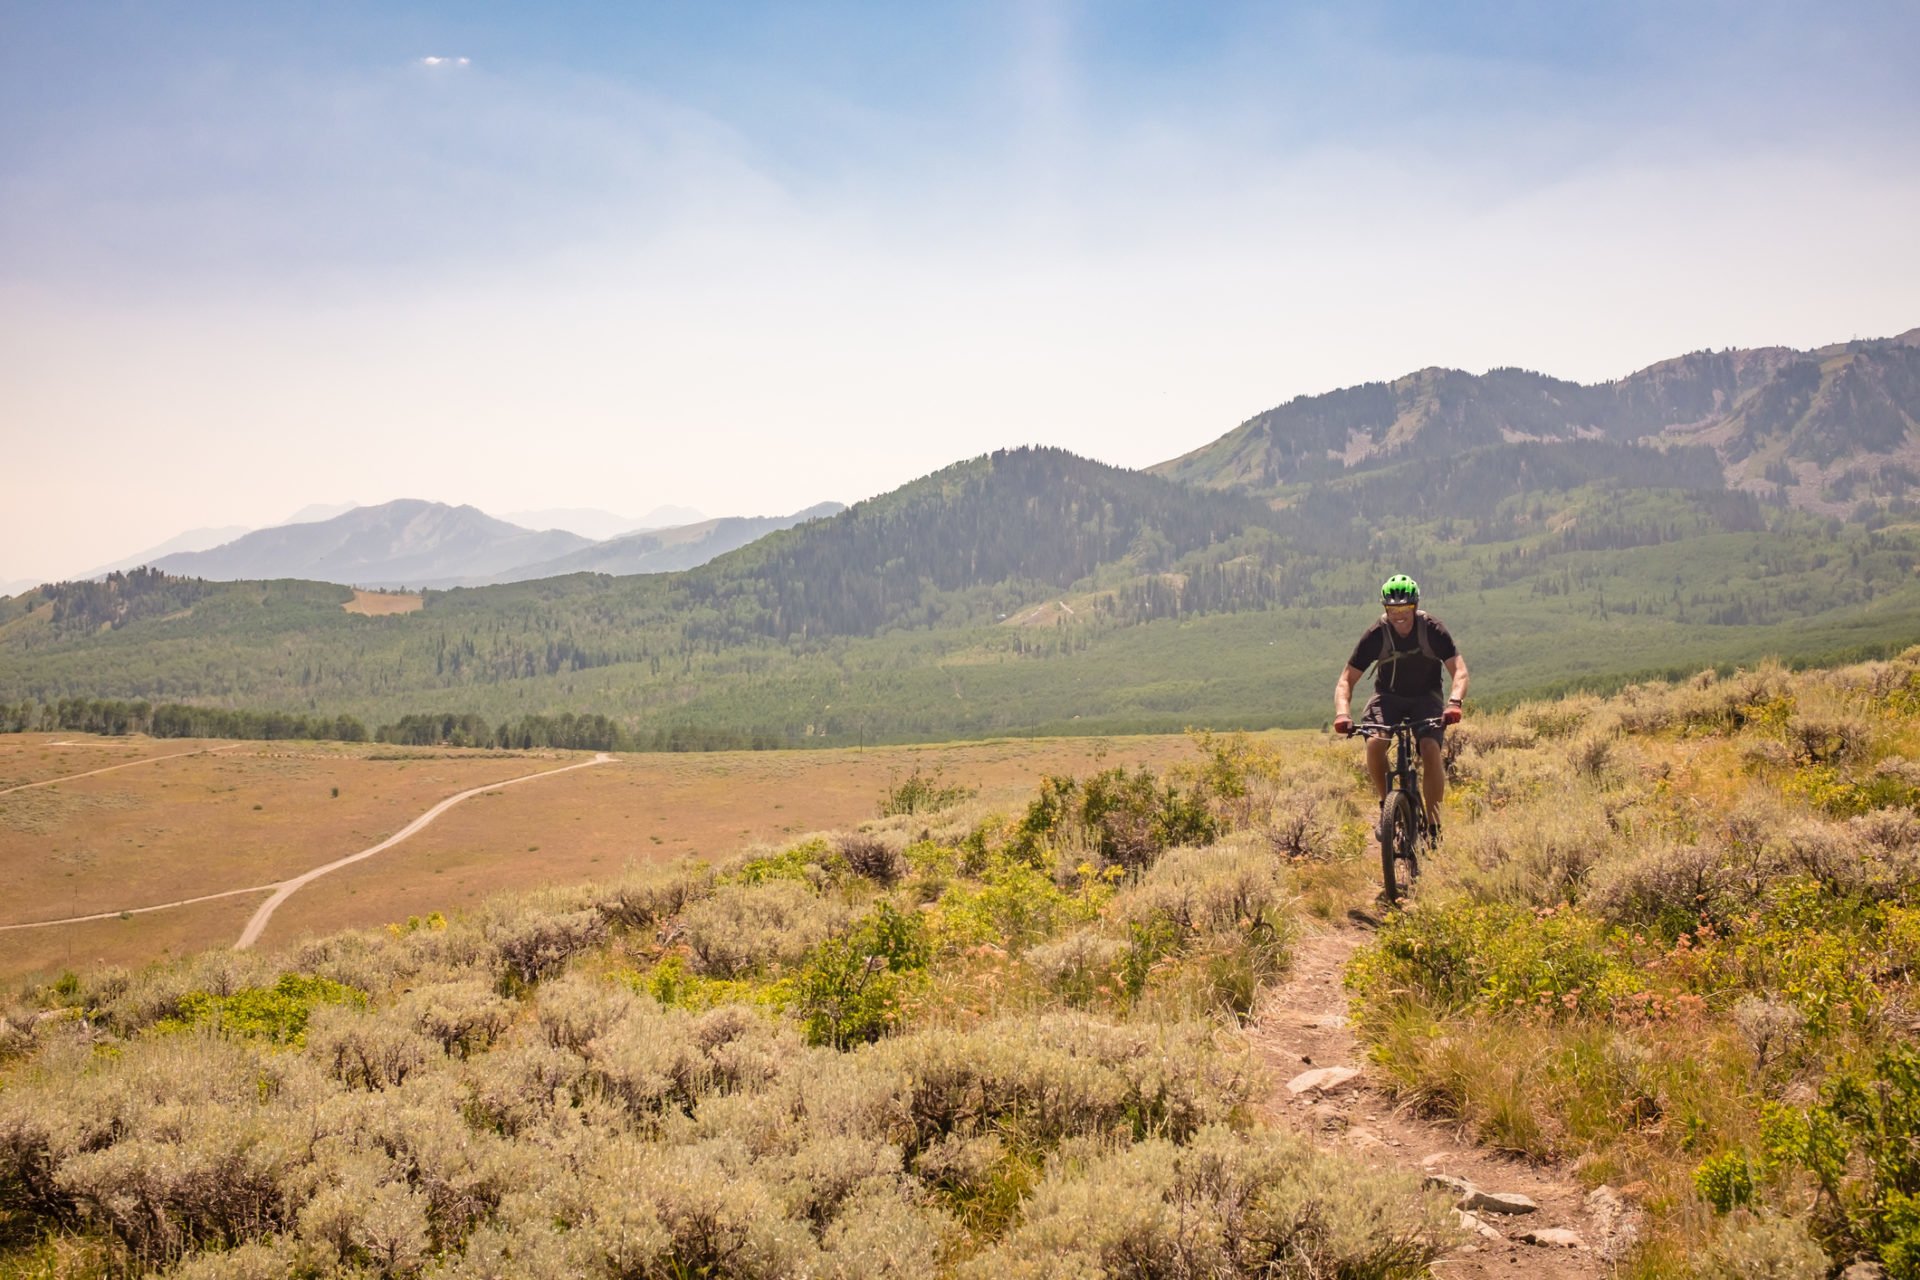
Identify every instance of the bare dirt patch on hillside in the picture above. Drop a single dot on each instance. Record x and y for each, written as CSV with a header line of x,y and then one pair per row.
x,y
381,604
1301,1026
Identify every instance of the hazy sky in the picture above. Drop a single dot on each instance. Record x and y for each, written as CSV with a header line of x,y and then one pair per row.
x,y
746,257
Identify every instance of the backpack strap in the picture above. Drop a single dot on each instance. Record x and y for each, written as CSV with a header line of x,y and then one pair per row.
x,y
1422,639
1421,636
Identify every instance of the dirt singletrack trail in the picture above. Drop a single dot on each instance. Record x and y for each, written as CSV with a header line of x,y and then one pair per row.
x,y
1301,1025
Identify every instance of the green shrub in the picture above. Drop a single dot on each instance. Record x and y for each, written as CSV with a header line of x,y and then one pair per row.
x,y
1495,957
1149,942
1133,818
1014,905
1861,1145
277,1014
813,861
1127,819
921,792
982,1178
851,989
1725,1181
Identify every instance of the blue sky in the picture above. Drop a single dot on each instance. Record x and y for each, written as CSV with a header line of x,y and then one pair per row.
x,y
748,257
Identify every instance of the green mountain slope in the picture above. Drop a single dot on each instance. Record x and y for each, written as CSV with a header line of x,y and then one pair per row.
x,y
1591,583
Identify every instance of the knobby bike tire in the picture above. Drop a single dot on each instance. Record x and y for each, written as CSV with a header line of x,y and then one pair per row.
x,y
1398,831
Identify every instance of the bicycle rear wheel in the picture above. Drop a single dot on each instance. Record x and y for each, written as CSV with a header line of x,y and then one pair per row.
x,y
1399,832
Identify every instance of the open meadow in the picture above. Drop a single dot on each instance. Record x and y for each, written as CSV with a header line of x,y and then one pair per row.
x,y
179,819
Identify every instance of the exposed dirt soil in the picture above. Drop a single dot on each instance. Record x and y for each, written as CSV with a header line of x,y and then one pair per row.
x,y
378,604
1301,1025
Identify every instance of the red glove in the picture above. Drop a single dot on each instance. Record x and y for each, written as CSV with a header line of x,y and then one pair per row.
x,y
1343,725
1453,713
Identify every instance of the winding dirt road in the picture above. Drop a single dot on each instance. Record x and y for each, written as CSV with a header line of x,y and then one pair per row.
x,y
282,889
128,764
288,888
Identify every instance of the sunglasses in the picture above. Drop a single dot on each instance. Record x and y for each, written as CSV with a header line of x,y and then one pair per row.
x,y
1401,608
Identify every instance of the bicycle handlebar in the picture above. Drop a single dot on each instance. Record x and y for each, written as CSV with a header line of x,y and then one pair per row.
x,y
1381,729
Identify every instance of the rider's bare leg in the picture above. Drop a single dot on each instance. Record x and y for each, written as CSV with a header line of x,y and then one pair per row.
x,y
1433,777
1377,766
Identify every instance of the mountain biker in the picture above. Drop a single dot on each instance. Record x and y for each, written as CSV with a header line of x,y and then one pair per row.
x,y
1408,649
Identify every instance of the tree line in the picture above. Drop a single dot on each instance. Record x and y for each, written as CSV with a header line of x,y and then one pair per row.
x,y
566,731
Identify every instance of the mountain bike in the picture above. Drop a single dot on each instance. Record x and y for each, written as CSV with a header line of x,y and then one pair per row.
x,y
1402,829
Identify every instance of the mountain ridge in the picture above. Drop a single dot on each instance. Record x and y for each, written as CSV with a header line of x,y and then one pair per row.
x,y
1823,430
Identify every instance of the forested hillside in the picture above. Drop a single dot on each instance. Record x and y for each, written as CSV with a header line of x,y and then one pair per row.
x,y
1025,592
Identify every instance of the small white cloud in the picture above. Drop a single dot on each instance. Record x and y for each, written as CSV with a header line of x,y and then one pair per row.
x,y
435,60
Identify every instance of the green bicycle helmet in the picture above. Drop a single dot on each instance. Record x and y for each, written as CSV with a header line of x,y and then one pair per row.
x,y
1399,589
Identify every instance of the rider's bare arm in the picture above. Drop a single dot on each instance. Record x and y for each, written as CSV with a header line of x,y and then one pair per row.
x,y
1343,691
1457,668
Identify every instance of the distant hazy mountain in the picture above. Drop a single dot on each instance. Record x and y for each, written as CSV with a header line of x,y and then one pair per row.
x,y
1824,428
666,550
412,543
16,586
191,540
668,517
590,522
404,543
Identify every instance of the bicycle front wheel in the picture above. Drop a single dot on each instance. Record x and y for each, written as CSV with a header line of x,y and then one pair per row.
x,y
1398,831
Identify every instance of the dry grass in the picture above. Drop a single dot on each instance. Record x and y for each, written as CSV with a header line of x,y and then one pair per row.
x,y
382,604
260,812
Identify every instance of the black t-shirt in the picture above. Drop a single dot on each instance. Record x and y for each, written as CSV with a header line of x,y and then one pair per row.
x,y
1409,671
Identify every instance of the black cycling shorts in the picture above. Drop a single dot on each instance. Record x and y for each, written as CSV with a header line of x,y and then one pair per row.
x,y
1392,708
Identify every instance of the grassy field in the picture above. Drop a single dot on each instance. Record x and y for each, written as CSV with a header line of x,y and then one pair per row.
x,y
194,818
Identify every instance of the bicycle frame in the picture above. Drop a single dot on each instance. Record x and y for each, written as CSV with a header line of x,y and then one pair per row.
x,y
1403,829
1403,771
